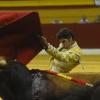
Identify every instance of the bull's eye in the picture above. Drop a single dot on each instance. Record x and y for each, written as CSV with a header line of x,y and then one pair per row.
x,y
39,74
36,75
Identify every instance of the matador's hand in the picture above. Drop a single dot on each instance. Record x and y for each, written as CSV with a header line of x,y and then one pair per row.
x,y
44,42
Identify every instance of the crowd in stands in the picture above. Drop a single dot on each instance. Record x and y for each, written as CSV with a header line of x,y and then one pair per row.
x,y
83,20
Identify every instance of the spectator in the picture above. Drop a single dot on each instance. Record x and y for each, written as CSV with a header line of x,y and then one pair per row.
x,y
84,20
57,21
67,55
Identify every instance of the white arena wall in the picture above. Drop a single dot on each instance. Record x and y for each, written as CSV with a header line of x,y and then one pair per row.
x,y
84,52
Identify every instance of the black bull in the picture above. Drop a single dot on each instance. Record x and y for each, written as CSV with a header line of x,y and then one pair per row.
x,y
15,81
18,83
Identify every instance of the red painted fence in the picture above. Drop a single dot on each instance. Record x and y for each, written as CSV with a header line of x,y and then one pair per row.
x,y
87,35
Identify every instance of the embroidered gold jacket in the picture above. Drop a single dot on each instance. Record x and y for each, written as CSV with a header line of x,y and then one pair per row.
x,y
64,60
